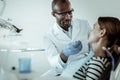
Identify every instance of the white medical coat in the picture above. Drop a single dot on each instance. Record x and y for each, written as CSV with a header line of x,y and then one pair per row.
x,y
55,39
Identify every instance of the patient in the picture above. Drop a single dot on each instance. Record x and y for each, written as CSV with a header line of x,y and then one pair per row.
x,y
105,33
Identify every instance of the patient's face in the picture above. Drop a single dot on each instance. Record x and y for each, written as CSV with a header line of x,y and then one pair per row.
x,y
94,34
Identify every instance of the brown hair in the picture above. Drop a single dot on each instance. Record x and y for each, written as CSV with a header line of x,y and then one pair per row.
x,y
112,26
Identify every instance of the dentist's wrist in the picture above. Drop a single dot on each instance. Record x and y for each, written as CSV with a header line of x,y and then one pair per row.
x,y
63,57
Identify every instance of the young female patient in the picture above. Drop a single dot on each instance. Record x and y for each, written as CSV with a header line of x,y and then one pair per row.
x,y
105,33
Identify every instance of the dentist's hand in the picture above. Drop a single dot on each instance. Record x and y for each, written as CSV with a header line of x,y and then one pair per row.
x,y
72,48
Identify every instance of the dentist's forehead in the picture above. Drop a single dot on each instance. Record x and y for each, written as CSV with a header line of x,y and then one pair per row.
x,y
62,7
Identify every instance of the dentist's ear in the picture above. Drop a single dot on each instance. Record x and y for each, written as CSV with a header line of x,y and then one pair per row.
x,y
53,13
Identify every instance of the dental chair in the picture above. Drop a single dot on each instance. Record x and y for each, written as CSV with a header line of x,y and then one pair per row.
x,y
113,70
115,74
112,74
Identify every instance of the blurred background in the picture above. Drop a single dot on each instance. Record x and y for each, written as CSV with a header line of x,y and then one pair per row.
x,y
34,17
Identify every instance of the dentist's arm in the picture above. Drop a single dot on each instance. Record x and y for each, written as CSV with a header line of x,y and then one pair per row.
x,y
70,49
63,57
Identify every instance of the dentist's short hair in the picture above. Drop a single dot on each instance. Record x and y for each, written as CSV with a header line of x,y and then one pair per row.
x,y
55,1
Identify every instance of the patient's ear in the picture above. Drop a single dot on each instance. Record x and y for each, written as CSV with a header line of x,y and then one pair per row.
x,y
102,32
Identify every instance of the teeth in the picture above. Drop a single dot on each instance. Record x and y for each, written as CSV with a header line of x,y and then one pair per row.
x,y
66,22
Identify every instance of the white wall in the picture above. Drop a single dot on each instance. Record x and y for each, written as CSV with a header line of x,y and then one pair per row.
x,y
92,9
34,16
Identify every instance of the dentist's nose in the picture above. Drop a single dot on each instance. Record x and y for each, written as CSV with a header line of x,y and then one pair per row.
x,y
68,16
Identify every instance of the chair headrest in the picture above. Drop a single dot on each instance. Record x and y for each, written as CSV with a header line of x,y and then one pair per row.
x,y
117,60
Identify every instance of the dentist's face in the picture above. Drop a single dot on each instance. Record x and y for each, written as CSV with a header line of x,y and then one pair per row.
x,y
63,14
94,34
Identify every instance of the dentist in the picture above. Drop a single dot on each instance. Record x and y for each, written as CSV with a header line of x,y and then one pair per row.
x,y
66,39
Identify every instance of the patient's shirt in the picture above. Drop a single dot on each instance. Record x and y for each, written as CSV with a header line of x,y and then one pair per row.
x,y
93,69
75,62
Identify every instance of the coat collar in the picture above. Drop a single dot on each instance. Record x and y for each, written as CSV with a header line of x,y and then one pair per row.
x,y
76,29
61,35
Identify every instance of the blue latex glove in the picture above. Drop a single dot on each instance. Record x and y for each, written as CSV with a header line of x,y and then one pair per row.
x,y
72,48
